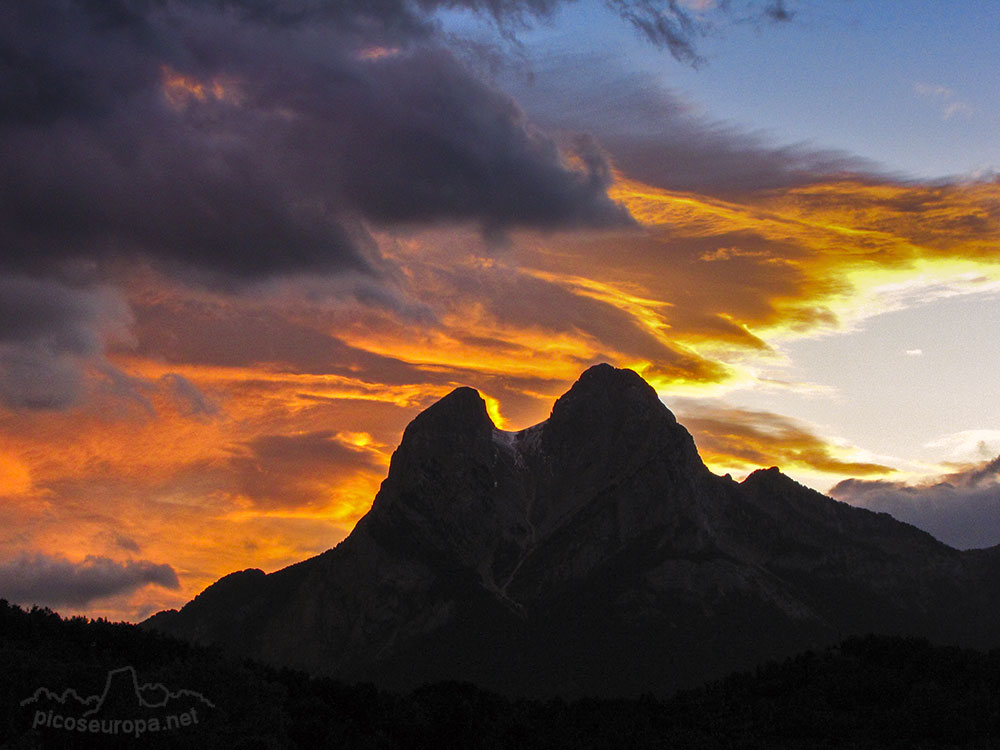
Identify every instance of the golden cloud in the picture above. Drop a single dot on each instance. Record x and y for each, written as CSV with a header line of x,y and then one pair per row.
x,y
733,440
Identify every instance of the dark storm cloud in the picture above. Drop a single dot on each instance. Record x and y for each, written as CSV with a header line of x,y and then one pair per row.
x,y
250,149
52,580
961,509
101,165
448,147
50,334
294,122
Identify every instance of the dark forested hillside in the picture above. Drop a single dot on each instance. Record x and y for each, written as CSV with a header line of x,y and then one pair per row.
x,y
873,692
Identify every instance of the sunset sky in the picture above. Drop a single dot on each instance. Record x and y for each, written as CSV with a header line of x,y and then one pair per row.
x,y
244,242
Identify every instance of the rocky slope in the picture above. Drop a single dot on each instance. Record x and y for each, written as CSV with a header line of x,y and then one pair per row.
x,y
593,553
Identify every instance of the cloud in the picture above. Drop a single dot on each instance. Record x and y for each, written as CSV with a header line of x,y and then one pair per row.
x,y
961,508
239,331
52,335
655,136
813,258
53,580
383,20
54,346
246,139
298,471
126,543
253,149
675,25
946,98
448,147
720,159
668,25
742,439
967,446
193,402
777,10
596,322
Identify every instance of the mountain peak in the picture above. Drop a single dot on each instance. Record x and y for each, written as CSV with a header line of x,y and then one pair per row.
x,y
606,388
609,394
607,377
434,459
461,411
593,553
771,478
607,425
462,398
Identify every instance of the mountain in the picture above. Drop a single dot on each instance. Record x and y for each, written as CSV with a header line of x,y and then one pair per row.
x,y
593,553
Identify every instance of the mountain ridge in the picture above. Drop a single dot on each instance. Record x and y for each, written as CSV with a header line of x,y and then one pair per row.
x,y
591,553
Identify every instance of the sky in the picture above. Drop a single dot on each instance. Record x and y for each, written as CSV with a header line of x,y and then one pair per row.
x,y
243,243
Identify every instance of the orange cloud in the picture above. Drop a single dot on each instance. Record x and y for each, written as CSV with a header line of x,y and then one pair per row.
x,y
180,90
728,280
377,52
15,477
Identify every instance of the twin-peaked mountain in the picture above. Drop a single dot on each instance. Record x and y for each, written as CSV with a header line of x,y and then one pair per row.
x,y
592,553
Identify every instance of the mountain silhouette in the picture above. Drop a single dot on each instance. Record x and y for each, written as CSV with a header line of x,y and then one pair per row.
x,y
593,553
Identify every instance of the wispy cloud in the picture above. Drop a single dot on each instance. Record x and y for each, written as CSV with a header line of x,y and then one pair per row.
x,y
741,440
949,103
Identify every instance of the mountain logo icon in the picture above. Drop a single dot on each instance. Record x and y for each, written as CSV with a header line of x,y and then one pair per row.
x,y
124,707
